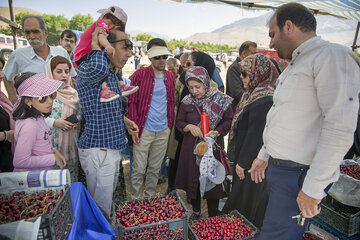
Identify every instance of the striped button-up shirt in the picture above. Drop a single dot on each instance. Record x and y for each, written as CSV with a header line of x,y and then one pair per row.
x,y
139,102
104,127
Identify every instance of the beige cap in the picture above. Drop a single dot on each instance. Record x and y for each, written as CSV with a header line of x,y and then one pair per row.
x,y
158,51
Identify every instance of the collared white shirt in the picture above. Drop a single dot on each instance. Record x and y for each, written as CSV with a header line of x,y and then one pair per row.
x,y
26,60
314,115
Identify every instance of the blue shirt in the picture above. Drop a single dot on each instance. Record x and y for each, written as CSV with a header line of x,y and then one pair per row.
x,y
156,120
217,78
26,60
104,127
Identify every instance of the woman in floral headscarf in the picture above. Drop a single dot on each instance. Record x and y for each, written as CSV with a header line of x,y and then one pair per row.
x,y
259,75
65,105
217,105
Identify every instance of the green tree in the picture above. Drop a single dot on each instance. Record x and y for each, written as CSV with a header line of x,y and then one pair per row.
x,y
143,37
80,22
55,25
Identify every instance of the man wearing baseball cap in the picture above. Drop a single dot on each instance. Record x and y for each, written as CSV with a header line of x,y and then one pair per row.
x,y
152,109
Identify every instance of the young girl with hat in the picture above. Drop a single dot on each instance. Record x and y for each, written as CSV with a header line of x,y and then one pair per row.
x,y
111,18
33,147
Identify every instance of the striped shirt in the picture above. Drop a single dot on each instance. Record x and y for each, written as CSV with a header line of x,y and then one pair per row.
x,y
139,102
104,127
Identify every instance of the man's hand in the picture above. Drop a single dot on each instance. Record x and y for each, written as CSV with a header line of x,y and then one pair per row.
x,y
308,206
133,130
240,172
257,170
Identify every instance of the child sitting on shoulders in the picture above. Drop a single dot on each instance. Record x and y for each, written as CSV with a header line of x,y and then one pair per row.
x,y
111,18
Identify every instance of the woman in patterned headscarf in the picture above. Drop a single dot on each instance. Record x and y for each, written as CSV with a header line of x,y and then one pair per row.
x,y
259,75
217,105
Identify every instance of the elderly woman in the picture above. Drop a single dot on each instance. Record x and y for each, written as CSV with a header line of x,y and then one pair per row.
x,y
217,105
258,74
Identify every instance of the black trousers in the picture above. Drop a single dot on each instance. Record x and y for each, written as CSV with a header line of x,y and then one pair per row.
x,y
212,204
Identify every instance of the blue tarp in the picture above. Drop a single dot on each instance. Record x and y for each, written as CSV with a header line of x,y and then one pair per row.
x,y
89,222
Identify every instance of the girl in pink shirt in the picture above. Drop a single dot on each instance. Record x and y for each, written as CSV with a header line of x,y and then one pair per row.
x,y
33,147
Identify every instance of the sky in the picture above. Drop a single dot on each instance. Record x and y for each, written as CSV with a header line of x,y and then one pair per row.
x,y
173,19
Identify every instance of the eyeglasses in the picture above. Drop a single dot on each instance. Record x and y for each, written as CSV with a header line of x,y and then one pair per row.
x,y
164,57
68,41
43,99
128,43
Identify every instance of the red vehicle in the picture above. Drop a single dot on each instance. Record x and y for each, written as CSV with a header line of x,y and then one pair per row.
x,y
271,53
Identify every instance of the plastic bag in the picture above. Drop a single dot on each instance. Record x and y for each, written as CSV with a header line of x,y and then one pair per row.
x,y
347,189
212,172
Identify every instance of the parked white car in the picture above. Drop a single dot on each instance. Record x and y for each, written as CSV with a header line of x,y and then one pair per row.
x,y
7,45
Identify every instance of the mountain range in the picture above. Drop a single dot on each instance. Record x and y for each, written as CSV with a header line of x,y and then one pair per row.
x,y
255,29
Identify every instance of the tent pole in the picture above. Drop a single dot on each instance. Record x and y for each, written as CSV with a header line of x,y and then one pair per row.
x,y
354,46
13,30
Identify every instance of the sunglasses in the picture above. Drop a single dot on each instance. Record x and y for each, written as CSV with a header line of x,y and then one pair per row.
x,y
164,57
43,99
128,43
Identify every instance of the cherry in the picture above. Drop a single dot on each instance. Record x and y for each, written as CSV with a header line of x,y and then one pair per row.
x,y
20,205
352,171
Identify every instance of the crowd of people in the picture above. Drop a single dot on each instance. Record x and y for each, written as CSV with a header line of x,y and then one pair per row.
x,y
70,107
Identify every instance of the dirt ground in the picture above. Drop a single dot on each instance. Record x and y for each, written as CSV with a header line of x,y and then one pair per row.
x,y
128,69
161,189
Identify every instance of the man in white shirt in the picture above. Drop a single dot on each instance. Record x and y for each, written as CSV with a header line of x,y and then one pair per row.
x,y
33,58
311,124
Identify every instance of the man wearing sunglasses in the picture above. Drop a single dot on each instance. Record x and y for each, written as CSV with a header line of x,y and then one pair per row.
x,y
33,58
104,135
152,109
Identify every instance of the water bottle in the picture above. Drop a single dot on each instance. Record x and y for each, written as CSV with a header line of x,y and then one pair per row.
x,y
204,123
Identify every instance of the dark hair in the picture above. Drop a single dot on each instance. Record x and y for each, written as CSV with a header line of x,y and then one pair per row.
x,y
39,18
23,111
157,42
297,14
246,45
112,37
117,22
204,60
68,33
58,60
2,60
